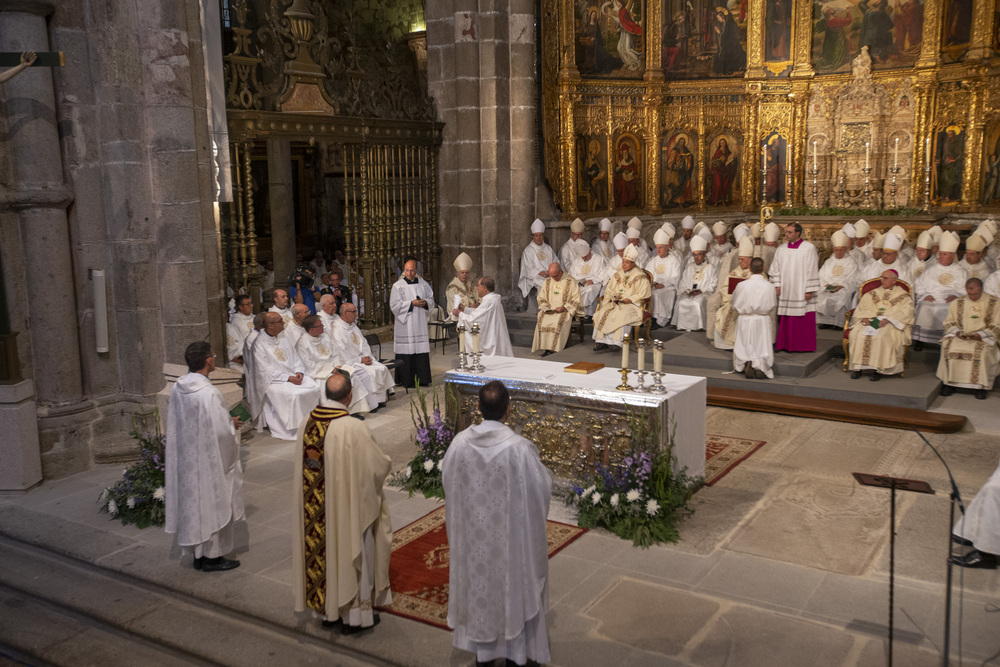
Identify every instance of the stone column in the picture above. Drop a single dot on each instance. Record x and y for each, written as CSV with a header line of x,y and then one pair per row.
x,y
282,204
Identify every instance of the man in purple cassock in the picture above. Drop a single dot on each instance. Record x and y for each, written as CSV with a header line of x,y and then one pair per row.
x,y
795,275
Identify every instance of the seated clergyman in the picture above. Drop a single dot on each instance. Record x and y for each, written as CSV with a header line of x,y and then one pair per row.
x,y
880,329
622,307
969,354
558,302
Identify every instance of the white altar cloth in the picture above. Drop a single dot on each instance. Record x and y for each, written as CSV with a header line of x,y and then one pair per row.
x,y
684,401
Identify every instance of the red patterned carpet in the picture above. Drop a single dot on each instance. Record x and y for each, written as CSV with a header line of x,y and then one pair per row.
x,y
723,453
418,569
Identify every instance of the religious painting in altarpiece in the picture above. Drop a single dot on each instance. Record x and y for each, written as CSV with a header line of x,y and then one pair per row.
x,y
956,30
891,29
775,151
949,160
723,182
678,169
610,38
628,173
592,193
991,165
703,39
778,36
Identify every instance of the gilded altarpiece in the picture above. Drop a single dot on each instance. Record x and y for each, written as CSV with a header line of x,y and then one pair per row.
x,y
843,104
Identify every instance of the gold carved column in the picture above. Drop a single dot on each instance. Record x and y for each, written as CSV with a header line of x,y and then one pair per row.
x,y
752,186
974,135
980,42
755,40
802,12
799,131
930,46
568,178
703,153
924,130
652,103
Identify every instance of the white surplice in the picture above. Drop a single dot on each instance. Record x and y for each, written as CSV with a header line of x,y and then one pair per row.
x,y
498,499
796,272
980,270
535,258
286,313
353,348
605,249
204,478
667,272
754,299
689,311
494,339
593,269
939,282
284,404
321,357
832,307
237,330
411,322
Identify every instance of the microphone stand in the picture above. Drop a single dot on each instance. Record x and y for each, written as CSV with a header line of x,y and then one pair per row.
x,y
956,498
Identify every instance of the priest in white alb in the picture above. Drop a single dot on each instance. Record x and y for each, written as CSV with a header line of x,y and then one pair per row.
x,y
322,357
880,329
725,315
294,330
723,267
567,253
602,244
357,355
665,267
772,239
494,339
410,300
622,306
535,260
461,291
237,330
558,303
969,353
203,493
287,393
839,279
589,271
974,262
282,305
327,311
696,283
935,289
754,300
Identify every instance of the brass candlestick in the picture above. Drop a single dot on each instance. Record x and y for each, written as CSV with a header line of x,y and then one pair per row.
x,y
624,386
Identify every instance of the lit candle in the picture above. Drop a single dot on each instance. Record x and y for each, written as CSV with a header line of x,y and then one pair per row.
x,y
461,339
895,159
814,154
641,355
658,357
866,155
927,150
625,351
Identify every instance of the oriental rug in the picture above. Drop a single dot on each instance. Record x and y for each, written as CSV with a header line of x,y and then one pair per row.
x,y
723,453
418,568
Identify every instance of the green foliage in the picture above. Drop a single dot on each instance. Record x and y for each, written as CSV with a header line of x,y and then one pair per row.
x,y
423,473
851,212
138,498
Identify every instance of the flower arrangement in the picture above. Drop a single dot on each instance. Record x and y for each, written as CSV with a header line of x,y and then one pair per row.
x,y
434,435
641,498
138,498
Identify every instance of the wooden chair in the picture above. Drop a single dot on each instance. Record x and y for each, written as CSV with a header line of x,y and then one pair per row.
x,y
866,287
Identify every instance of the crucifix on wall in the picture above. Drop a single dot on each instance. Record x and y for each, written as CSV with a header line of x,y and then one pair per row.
x,y
18,62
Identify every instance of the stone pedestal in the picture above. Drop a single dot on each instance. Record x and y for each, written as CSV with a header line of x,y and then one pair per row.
x,y
22,465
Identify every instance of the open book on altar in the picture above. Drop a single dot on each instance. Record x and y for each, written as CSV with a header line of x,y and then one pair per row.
x,y
733,282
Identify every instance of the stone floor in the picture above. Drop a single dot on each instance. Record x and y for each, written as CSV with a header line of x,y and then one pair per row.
x,y
784,561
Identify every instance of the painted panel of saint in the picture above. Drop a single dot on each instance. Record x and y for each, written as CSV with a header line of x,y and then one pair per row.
x,y
991,165
778,30
703,38
891,29
592,194
949,158
610,38
627,173
677,169
956,29
723,171
774,149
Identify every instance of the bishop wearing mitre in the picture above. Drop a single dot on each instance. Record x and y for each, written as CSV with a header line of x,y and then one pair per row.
x,y
461,291
626,294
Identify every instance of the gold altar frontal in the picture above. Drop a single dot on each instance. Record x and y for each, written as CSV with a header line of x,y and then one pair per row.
x,y
579,421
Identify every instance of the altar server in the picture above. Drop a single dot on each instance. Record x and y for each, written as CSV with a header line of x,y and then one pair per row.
x,y
498,589
357,355
696,283
558,303
237,330
494,340
461,291
621,309
839,279
410,301
725,315
343,532
665,268
602,244
589,271
935,289
204,478
755,300
535,260
969,353
567,253
795,276
880,329
287,393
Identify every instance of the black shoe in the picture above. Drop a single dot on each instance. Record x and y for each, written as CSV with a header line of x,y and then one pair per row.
x,y
654,326
748,371
361,417
331,624
981,394
759,375
975,559
947,390
354,629
855,375
198,562
548,352
961,540
380,406
600,347
876,376
219,564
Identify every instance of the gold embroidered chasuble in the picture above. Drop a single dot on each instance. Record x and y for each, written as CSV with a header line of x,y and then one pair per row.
x,y
970,362
612,315
882,351
552,330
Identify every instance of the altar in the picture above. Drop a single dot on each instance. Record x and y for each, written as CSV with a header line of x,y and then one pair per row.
x,y
578,421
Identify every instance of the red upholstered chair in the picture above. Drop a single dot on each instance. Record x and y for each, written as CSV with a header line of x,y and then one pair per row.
x,y
866,287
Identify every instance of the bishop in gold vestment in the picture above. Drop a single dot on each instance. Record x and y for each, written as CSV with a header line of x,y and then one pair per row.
x,y
626,294
880,329
558,302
